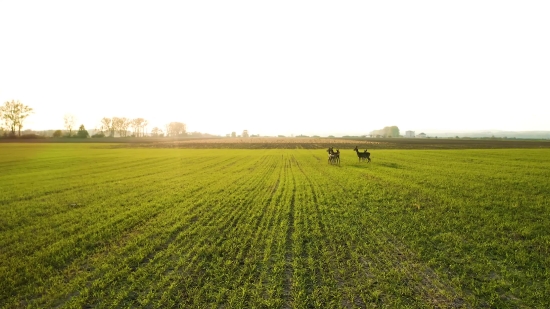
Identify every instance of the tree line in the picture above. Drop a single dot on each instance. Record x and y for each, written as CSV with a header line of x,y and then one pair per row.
x,y
124,127
13,114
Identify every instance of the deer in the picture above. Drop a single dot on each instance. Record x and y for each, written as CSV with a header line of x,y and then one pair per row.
x,y
333,156
362,155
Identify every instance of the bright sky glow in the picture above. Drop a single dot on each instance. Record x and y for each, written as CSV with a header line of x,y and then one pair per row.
x,y
280,67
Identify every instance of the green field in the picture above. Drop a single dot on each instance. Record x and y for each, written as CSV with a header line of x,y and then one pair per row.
x,y
94,226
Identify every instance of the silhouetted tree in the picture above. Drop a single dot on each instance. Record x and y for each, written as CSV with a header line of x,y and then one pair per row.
x,y
14,113
82,132
57,133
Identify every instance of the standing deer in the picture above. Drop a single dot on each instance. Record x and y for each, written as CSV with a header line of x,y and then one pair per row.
x,y
333,156
362,155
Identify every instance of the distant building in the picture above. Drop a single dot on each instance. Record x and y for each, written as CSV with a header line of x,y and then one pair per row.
x,y
421,135
409,134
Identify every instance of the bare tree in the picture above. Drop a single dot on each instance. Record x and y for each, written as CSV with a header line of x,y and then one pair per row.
x,y
116,123
139,124
121,125
134,124
124,125
14,113
144,125
70,122
107,126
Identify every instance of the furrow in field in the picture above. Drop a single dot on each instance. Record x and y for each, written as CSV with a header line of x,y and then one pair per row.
x,y
103,190
449,223
91,232
196,224
385,265
232,234
327,285
289,295
78,180
56,223
245,275
243,254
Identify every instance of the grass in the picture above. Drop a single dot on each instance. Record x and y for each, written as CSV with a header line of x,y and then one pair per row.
x,y
91,225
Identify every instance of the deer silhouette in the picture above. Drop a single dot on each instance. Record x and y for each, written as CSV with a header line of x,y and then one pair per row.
x,y
362,155
333,156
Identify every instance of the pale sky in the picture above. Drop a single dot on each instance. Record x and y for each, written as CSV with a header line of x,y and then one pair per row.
x,y
280,67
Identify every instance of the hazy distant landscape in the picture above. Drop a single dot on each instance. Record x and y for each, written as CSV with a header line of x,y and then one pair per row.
x,y
496,133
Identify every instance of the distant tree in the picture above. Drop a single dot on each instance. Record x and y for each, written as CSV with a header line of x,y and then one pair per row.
x,y
233,134
121,125
176,129
14,113
57,133
156,132
144,125
245,133
134,125
392,131
82,132
70,122
107,126
116,122
138,125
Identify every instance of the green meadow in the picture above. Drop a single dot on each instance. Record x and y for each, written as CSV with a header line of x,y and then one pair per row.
x,y
95,226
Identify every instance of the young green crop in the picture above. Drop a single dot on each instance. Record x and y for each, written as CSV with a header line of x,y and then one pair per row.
x,y
89,225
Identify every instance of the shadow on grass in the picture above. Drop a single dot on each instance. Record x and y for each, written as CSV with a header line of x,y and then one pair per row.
x,y
391,165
